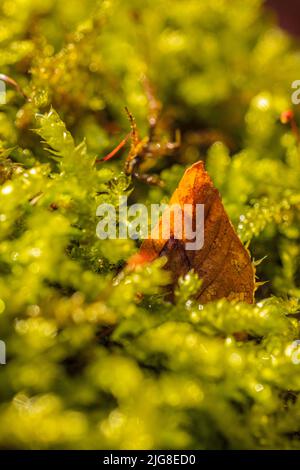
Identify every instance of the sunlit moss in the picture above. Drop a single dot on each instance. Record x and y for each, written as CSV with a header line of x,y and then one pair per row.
x,y
97,357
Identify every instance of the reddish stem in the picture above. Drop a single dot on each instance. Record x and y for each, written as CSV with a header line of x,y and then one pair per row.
x,y
114,151
12,82
288,116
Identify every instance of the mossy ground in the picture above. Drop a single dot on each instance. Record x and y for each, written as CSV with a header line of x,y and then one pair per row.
x,y
90,364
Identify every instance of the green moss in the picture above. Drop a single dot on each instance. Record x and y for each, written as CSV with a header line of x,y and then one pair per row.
x,y
90,363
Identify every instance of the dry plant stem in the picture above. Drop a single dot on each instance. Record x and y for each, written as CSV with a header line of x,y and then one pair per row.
x,y
12,82
114,151
295,129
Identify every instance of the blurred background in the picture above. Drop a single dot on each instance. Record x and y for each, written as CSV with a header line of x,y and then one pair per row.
x,y
288,13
